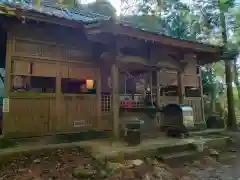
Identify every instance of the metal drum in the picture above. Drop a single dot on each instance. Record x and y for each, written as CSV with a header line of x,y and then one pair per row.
x,y
188,119
177,116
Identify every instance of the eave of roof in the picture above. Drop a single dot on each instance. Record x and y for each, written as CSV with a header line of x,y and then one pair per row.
x,y
147,35
50,11
77,17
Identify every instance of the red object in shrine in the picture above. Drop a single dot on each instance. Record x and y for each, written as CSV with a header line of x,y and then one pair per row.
x,y
126,104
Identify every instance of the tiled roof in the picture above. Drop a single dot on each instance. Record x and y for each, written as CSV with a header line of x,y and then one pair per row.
x,y
50,8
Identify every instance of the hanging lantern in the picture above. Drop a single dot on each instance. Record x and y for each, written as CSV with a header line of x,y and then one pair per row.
x,y
89,83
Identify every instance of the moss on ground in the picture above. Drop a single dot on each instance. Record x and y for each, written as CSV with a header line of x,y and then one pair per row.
x,y
7,143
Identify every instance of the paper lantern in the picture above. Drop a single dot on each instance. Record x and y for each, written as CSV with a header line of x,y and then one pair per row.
x,y
89,83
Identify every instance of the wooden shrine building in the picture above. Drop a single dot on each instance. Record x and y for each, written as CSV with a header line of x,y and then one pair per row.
x,y
66,71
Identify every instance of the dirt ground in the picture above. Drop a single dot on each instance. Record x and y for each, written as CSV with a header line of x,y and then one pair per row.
x,y
63,164
51,165
227,168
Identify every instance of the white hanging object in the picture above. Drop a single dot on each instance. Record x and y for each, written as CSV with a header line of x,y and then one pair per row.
x,y
109,81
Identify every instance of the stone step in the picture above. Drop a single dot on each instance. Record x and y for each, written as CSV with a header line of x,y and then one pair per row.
x,y
176,159
217,142
208,132
176,149
200,125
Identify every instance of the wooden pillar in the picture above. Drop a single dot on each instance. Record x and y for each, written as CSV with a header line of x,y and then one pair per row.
x,y
115,101
151,85
181,89
201,91
58,100
98,92
6,122
7,79
158,95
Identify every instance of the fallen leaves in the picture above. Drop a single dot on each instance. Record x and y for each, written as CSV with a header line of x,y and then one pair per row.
x,y
74,164
57,164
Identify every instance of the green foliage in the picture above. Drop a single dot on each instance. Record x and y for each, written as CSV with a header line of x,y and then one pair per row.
x,y
173,18
225,5
103,7
66,3
211,83
150,22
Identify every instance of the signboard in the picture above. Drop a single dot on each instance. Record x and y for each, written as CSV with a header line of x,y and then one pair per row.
x,y
78,123
5,105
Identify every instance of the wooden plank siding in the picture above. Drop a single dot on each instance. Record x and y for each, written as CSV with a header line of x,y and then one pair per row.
x,y
32,55
30,116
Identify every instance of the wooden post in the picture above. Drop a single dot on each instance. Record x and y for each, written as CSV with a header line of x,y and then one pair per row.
x,y
98,92
151,85
201,91
158,95
181,89
115,101
8,66
7,123
58,99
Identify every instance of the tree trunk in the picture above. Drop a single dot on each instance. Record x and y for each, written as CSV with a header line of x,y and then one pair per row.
x,y
231,121
236,80
236,76
212,93
213,102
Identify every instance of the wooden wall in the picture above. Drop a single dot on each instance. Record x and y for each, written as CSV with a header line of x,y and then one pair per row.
x,y
58,53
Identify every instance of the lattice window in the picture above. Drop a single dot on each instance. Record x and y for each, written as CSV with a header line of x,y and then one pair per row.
x,y
106,103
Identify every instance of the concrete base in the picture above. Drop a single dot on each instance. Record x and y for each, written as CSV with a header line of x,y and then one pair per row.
x,y
147,148
162,147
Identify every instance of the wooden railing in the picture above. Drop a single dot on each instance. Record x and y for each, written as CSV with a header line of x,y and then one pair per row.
x,y
194,102
106,103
